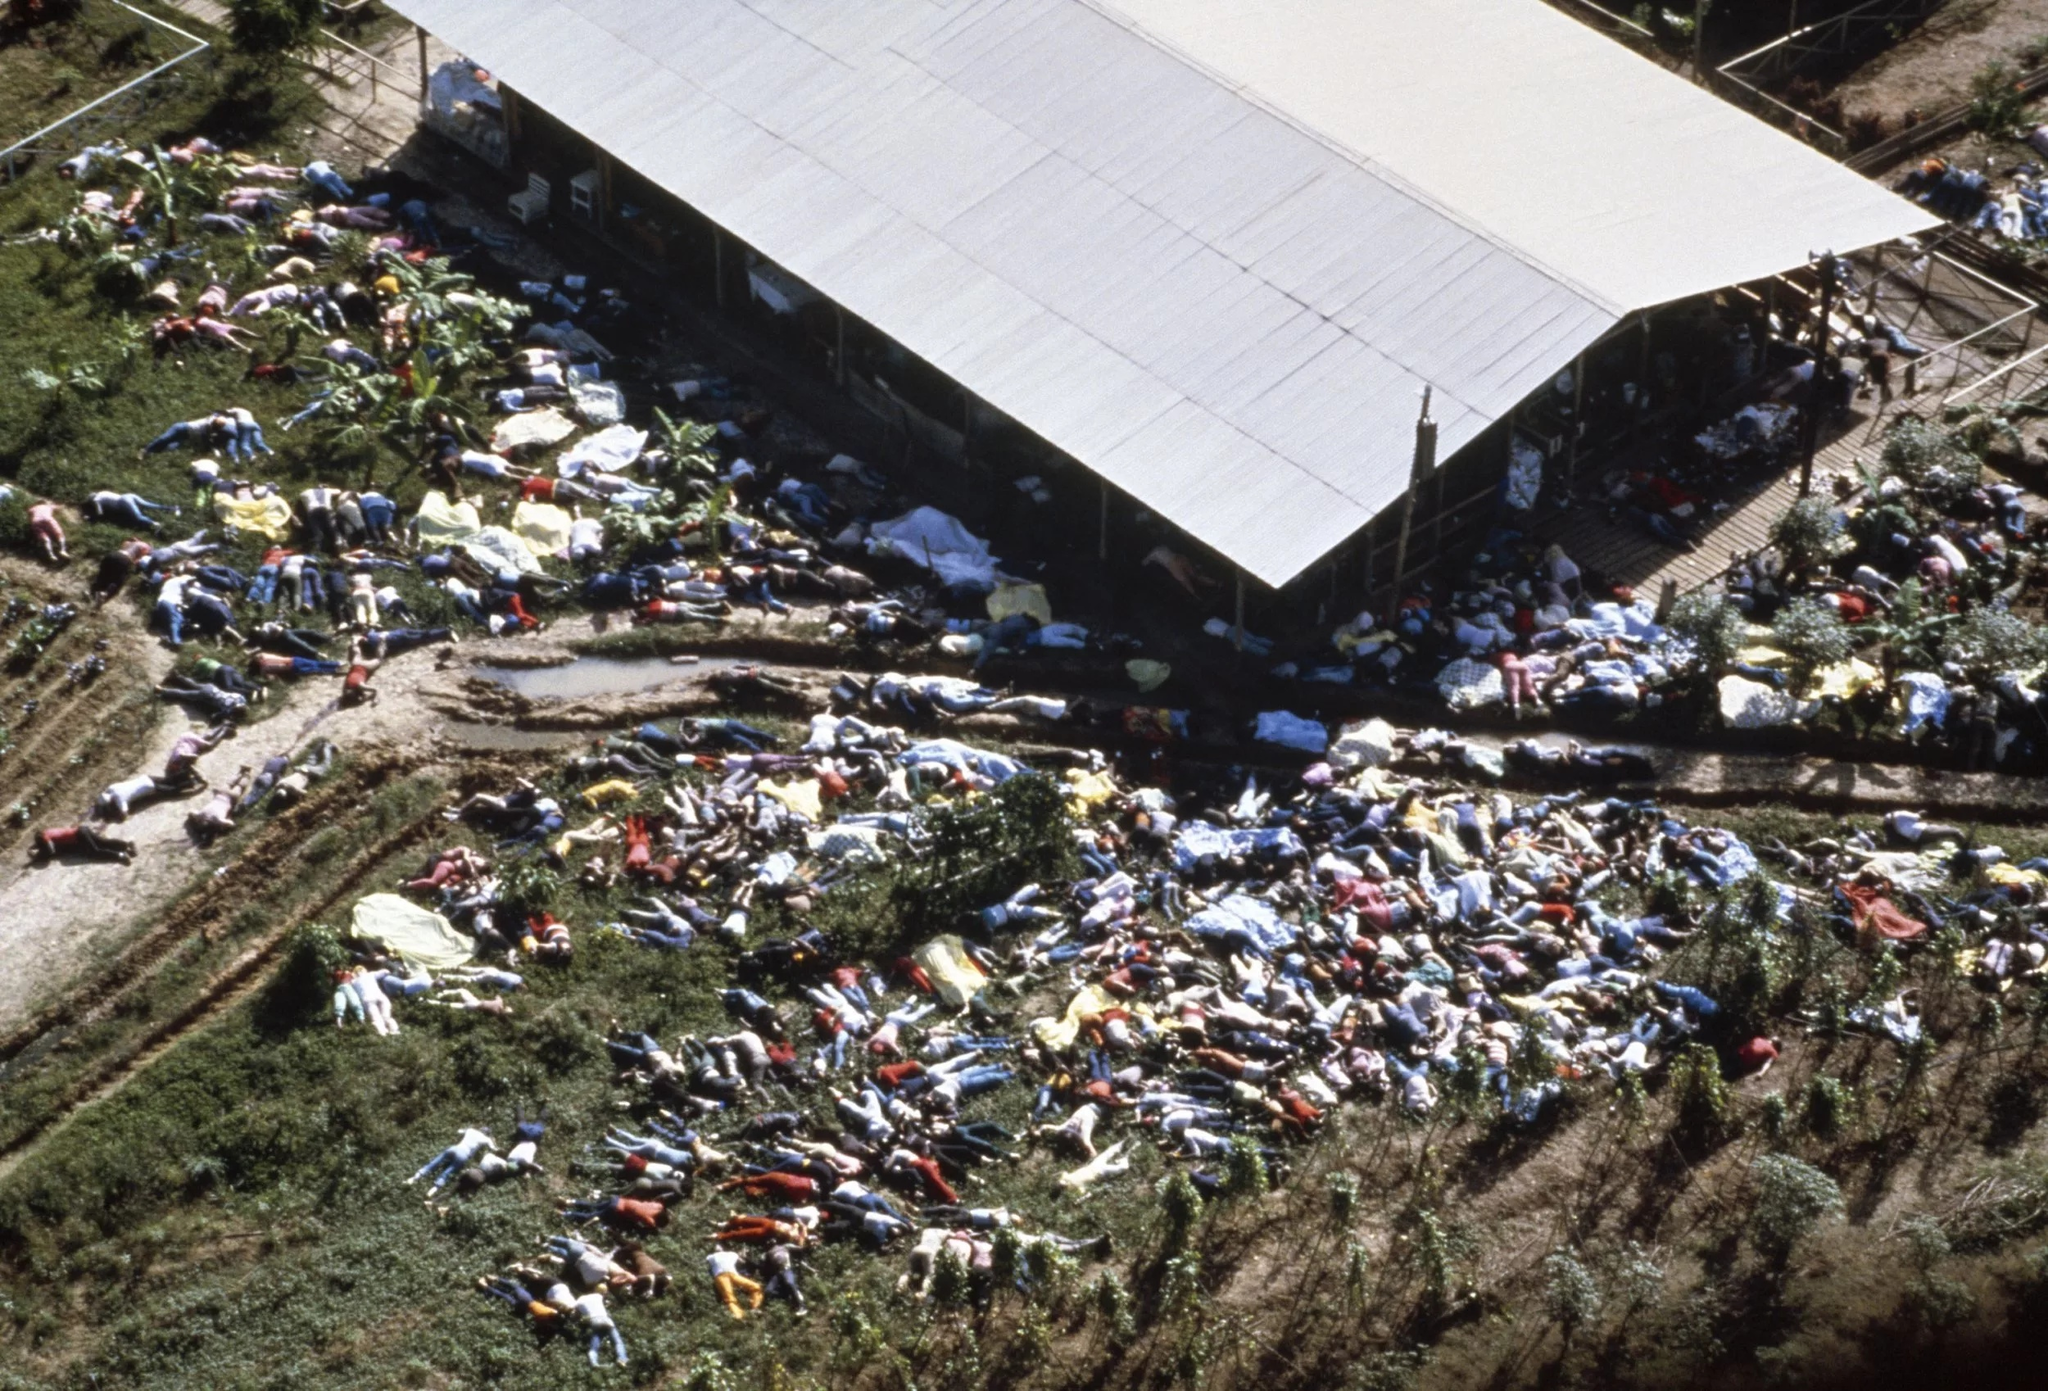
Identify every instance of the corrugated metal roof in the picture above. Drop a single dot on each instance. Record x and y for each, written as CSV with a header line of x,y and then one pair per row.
x,y
1213,249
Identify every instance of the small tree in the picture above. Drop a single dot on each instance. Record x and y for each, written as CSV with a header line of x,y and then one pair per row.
x,y
1712,625
1933,461
1792,1198
1812,637
1697,1091
1991,640
1807,533
1830,1105
1181,1203
1996,102
1570,1295
267,28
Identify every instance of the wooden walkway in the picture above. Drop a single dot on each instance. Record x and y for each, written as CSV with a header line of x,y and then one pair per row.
x,y
1626,554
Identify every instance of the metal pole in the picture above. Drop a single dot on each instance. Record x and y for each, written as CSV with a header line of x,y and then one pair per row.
x,y
1424,461
422,35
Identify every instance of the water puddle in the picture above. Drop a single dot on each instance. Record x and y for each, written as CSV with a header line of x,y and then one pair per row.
x,y
600,676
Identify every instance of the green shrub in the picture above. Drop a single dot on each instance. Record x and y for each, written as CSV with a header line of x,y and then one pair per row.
x,y
270,27
1570,1295
1698,1094
1712,625
1991,640
1792,1198
1812,637
1931,460
980,852
1807,533
1996,103
1830,1106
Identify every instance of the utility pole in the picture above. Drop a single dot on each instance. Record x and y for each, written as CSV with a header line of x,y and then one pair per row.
x,y
1820,391
1424,464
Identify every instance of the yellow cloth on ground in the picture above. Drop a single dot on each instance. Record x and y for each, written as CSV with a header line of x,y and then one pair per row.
x,y
1009,598
268,516
1148,674
444,523
1089,1004
401,927
2006,876
1842,680
613,790
1760,655
954,975
541,525
802,797
1089,789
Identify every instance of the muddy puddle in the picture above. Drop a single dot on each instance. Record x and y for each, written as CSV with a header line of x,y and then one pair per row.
x,y
601,676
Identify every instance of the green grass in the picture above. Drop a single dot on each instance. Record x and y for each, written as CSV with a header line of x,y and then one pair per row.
x,y
50,71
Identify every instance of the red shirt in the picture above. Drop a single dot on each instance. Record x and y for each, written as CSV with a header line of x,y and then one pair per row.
x,y
1755,1053
541,488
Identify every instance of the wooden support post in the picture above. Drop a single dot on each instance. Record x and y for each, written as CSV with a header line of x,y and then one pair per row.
x,y
1571,464
718,267
839,353
966,423
1418,469
421,34
1371,540
1699,40
1821,389
1237,633
1641,404
1102,530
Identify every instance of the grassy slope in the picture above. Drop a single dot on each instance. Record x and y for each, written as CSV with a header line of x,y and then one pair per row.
x,y
48,72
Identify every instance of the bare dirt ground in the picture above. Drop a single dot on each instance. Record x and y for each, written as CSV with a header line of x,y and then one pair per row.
x,y
1932,68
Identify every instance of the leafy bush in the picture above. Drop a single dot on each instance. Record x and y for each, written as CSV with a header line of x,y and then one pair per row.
x,y
1996,105
1570,1295
981,852
1830,1105
1697,1091
1931,460
270,27
1989,640
1807,533
1712,625
1792,1198
1812,637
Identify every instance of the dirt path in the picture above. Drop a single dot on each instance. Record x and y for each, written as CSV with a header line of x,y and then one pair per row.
x,y
1932,69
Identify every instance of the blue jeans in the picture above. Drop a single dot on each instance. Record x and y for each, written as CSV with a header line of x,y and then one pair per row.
x,y
173,619
985,1078
178,435
263,589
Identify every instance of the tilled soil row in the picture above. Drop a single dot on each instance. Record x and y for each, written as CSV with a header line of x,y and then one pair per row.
x,y
249,875
220,993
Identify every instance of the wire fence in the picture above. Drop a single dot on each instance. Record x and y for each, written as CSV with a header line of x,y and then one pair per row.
x,y
1743,78
126,101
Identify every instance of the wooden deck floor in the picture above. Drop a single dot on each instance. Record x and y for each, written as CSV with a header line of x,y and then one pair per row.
x,y
1626,554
